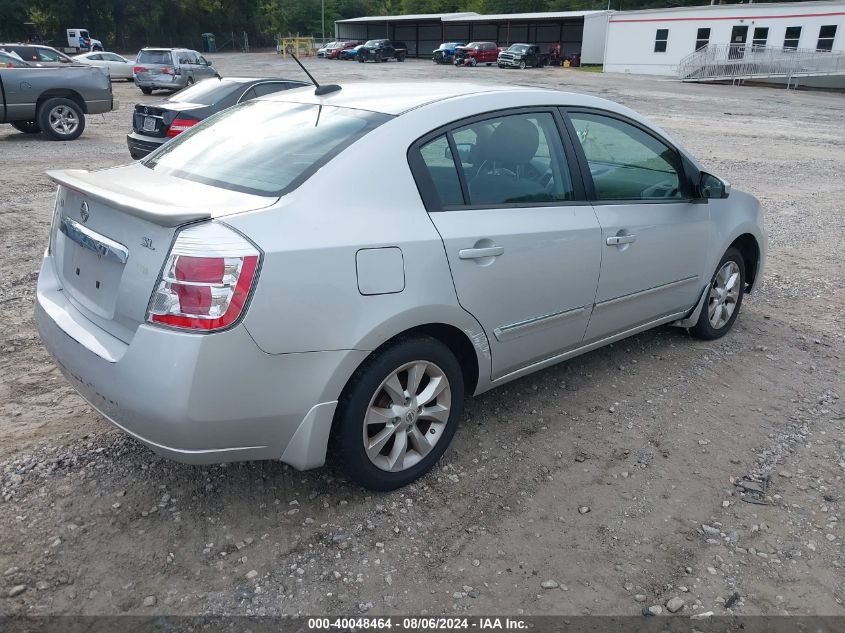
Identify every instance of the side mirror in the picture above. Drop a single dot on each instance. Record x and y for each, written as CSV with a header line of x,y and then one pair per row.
x,y
464,151
709,186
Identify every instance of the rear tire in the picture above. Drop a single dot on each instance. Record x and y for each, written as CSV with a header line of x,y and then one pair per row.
x,y
724,298
147,91
27,127
418,426
189,82
61,119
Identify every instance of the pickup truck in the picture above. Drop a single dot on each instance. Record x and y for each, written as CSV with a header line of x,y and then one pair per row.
x,y
522,56
382,50
53,100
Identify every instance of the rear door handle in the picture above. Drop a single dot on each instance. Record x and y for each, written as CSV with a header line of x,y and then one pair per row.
x,y
478,253
621,239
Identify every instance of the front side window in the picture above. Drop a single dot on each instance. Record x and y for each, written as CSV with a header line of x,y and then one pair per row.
x,y
262,147
661,39
793,36
47,55
827,34
702,39
761,36
627,163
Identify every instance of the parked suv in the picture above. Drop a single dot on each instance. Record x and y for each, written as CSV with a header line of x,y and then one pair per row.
x,y
170,69
522,56
38,55
382,50
476,53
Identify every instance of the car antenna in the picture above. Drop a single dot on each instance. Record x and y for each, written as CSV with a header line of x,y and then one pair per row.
x,y
318,89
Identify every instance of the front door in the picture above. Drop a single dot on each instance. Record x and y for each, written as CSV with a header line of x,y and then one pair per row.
x,y
653,237
739,34
524,253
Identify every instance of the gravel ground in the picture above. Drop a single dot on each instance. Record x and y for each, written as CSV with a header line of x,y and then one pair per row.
x,y
661,472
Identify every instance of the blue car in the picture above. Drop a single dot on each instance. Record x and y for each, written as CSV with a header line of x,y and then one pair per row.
x,y
445,54
349,53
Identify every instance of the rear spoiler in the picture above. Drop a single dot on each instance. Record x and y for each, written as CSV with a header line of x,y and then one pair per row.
x,y
146,207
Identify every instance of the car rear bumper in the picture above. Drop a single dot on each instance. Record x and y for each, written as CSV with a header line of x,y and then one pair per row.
x,y
140,145
197,398
173,82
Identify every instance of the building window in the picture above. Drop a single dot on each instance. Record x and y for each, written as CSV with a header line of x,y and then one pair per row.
x,y
761,35
826,36
660,40
793,35
702,39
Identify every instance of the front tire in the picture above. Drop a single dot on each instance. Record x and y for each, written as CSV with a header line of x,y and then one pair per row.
x,y
724,298
522,65
398,414
27,127
61,119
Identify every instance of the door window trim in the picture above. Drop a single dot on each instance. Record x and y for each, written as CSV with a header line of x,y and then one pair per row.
x,y
428,191
687,169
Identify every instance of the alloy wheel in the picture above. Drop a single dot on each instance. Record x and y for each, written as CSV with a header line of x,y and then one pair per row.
x,y
63,120
407,416
724,293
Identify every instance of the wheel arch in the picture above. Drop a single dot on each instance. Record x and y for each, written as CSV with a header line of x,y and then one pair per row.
x,y
748,246
62,93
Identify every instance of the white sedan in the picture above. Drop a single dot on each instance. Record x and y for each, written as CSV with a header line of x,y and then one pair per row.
x,y
118,67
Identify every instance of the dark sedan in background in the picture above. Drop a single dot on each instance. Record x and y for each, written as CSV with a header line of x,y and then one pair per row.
x,y
156,123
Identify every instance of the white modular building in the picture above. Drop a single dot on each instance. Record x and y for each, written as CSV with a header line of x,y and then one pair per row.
x,y
657,41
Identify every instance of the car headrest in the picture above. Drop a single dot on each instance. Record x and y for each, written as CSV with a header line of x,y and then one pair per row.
x,y
515,140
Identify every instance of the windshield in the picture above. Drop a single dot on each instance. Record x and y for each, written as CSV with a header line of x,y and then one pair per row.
x,y
374,42
263,147
154,57
519,48
207,92
449,44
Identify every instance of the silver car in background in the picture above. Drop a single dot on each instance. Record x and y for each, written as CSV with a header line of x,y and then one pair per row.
x,y
170,69
242,293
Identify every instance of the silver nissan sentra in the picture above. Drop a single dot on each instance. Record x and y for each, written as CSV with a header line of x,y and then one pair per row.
x,y
307,271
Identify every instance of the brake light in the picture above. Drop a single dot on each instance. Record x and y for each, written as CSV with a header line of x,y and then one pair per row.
x,y
139,69
166,70
180,125
206,281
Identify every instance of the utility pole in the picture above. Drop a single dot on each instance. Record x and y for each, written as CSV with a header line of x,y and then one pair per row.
x,y
323,18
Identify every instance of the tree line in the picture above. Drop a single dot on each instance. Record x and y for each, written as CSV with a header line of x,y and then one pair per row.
x,y
129,24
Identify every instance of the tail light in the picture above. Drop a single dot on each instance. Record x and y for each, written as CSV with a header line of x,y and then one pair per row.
x,y
207,279
139,69
180,125
167,70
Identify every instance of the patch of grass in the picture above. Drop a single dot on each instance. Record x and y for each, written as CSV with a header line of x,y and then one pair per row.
x,y
597,68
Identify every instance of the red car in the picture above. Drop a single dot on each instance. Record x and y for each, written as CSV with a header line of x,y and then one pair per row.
x,y
334,52
476,53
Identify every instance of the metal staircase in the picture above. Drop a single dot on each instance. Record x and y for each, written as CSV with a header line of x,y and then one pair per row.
x,y
739,62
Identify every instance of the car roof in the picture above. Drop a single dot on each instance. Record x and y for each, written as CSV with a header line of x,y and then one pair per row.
x,y
394,98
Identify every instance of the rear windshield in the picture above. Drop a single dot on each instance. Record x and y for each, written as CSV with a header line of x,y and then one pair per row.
x,y
154,57
263,147
207,92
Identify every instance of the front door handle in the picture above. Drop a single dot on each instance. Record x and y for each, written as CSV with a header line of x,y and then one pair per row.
x,y
621,239
478,253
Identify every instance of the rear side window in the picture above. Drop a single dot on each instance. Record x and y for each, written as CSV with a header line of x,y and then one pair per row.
x,y
206,92
154,57
437,157
514,160
263,147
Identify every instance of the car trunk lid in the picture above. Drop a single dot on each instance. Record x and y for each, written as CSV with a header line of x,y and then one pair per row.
x,y
152,120
112,232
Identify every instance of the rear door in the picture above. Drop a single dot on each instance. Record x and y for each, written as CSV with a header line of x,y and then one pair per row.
x,y
654,236
522,245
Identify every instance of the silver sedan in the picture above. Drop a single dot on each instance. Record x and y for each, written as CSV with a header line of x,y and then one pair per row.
x,y
309,274
118,66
